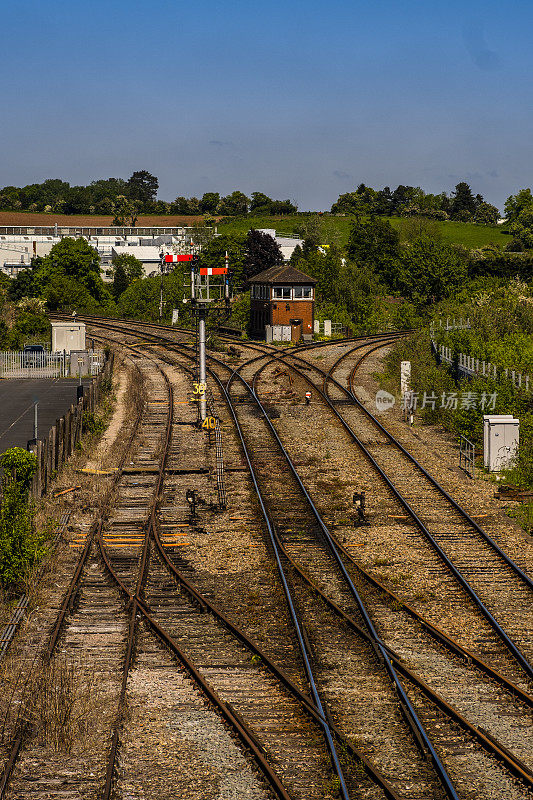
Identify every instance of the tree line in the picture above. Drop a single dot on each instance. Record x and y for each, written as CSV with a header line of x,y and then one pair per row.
x,y
410,201
126,199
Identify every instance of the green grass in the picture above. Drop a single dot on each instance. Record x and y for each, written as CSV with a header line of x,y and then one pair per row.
x,y
466,233
338,228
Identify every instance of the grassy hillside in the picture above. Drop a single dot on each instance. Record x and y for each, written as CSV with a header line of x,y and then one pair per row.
x,y
338,228
334,229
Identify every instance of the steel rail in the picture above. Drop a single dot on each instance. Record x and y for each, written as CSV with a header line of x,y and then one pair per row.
x,y
429,626
66,606
511,646
405,704
141,577
322,716
513,764
434,630
307,703
137,604
510,563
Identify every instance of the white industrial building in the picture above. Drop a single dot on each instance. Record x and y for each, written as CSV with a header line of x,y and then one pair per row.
x,y
149,256
19,244
286,244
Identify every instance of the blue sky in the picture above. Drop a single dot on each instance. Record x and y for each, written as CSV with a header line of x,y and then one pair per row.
x,y
301,100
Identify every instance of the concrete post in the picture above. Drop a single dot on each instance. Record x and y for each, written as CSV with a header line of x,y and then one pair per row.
x,y
327,327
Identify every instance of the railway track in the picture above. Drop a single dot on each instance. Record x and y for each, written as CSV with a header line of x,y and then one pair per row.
x,y
321,627
119,546
526,769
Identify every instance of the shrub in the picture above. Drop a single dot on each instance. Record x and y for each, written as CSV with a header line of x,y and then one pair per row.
x,y
20,544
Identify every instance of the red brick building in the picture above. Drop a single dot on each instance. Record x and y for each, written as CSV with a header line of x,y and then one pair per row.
x,y
282,295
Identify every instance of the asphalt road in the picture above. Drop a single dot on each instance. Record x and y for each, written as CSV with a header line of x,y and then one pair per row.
x,y
17,398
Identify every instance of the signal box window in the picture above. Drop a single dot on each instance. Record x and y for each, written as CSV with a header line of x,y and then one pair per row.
x,y
282,292
302,292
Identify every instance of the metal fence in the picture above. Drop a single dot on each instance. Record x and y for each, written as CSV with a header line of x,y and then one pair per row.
x,y
21,364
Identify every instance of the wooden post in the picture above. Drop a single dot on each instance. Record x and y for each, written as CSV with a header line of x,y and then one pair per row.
x,y
53,456
61,442
50,461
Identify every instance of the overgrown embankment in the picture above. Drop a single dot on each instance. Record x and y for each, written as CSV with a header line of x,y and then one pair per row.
x,y
501,331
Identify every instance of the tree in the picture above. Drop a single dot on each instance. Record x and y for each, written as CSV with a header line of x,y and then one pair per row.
x,y
209,202
142,186
132,267
213,255
70,276
234,205
180,206
125,212
428,271
514,205
486,214
259,201
261,252
126,269
375,243
463,201
120,281
23,285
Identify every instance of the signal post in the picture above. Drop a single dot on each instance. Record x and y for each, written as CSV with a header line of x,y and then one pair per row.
x,y
200,300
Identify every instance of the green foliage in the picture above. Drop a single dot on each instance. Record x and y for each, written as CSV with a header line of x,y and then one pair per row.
x,y
141,299
99,197
143,187
261,252
126,269
69,278
125,212
213,255
20,544
501,315
517,203
427,271
374,243
93,424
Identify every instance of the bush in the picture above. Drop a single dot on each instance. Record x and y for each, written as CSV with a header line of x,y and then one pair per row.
x,y
20,544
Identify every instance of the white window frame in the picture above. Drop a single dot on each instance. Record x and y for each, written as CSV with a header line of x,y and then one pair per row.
x,y
282,293
306,292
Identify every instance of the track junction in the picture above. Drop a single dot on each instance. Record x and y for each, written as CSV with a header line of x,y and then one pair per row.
x,y
245,650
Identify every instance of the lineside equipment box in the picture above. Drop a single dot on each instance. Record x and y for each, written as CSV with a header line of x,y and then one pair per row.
x,y
501,433
68,335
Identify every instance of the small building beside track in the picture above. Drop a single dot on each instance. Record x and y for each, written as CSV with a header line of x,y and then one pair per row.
x,y
282,296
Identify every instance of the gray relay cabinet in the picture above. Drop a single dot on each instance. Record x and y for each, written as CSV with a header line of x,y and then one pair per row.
x,y
501,433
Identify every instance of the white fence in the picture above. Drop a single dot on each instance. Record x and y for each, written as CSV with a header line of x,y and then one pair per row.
x,y
451,324
469,366
20,364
